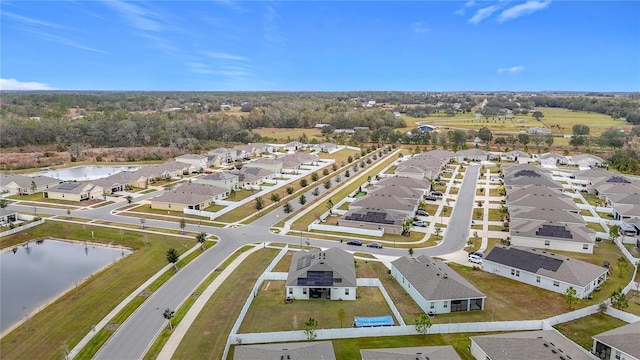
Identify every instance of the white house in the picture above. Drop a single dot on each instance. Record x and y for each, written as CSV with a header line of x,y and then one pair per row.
x,y
316,274
552,235
7,216
544,269
516,156
197,161
74,191
619,343
308,350
16,184
435,287
538,345
588,161
444,352
551,159
222,179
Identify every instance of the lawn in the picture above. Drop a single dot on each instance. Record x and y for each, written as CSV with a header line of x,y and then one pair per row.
x,y
585,212
285,135
581,330
215,208
495,215
391,170
595,227
340,156
633,297
593,200
207,336
51,329
241,194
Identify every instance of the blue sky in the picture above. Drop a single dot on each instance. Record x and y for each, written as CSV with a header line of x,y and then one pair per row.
x,y
529,45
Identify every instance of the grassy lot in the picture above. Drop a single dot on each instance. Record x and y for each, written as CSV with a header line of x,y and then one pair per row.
x,y
51,329
593,200
585,212
391,170
633,297
40,198
207,336
578,201
446,211
605,215
494,192
285,135
283,264
495,215
595,226
581,330
414,236
215,208
454,190
340,156
242,194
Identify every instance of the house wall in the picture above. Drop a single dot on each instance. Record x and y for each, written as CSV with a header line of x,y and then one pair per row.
x,y
563,245
531,279
12,188
63,196
197,163
4,219
225,184
388,229
477,352
337,293
276,168
439,306
167,206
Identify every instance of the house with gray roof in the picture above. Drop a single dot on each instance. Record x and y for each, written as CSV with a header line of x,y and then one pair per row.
x,y
74,191
552,235
552,159
316,274
7,216
547,214
164,171
119,182
445,352
625,206
588,161
526,177
544,269
380,200
435,287
195,196
470,155
16,184
389,221
328,147
516,156
619,343
539,198
398,191
271,164
419,184
198,161
526,345
310,350
250,177
223,179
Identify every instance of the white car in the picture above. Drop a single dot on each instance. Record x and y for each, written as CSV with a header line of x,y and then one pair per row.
x,y
475,259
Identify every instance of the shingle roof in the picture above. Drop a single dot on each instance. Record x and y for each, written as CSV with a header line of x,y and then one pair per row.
x,y
434,280
624,338
398,191
551,230
446,352
547,264
335,260
404,181
382,201
547,214
316,350
182,198
376,216
191,156
540,200
529,345
198,188
220,176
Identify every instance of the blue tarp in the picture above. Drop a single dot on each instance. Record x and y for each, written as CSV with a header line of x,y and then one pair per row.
x,y
372,321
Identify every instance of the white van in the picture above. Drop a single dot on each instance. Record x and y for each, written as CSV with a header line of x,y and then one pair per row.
x,y
475,259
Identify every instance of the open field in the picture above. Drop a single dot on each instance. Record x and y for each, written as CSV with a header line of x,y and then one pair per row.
x,y
49,332
340,156
581,330
285,135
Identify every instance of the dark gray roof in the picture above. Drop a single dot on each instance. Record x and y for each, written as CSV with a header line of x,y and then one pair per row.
x,y
334,261
547,214
552,230
434,279
316,350
376,216
411,353
624,338
538,345
546,264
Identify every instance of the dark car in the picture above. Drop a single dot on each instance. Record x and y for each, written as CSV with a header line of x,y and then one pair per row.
x,y
436,193
422,212
430,197
376,245
354,242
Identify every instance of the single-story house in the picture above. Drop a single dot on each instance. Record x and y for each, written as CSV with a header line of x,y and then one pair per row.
x,y
588,161
252,176
8,216
471,155
538,130
223,155
294,146
538,345
380,200
444,352
547,214
552,235
193,196
389,221
544,269
310,350
539,197
435,287
271,164
398,191
625,206
618,344
164,171
198,161
262,148
328,147
516,156
119,181
74,191
411,183
26,185
552,159
223,179
316,274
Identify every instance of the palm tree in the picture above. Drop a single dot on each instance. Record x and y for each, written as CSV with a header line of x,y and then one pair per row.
x,y
411,252
438,231
142,221
173,257
201,239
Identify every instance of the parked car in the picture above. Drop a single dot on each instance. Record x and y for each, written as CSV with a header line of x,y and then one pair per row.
x,y
354,242
437,193
430,197
419,223
376,245
421,212
448,171
478,253
475,258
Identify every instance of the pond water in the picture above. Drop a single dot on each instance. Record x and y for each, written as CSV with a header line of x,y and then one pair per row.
x,y
35,274
81,173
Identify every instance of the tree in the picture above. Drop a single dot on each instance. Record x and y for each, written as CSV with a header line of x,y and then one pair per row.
x,y
200,238
537,114
410,252
315,192
327,184
347,173
314,176
622,264
485,134
287,208
500,141
423,323
142,221
548,139
259,203
3,203
129,199
350,159
334,167
325,172
302,199
289,190
310,327
275,197
68,214
183,224
173,257
341,316
168,314
337,179
438,231
524,139
580,130
304,183
614,232
329,206
570,297
619,299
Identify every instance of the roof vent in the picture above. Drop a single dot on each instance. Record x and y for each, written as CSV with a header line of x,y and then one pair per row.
x,y
546,345
554,351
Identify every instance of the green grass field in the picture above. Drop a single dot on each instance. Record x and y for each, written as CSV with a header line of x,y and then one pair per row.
x,y
285,135
581,330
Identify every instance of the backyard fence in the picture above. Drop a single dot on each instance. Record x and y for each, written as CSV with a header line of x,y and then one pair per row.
x,y
21,227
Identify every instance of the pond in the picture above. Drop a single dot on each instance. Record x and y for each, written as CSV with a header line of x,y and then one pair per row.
x,y
32,275
81,173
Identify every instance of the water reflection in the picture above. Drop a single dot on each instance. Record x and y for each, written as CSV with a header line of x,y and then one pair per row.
x,y
81,173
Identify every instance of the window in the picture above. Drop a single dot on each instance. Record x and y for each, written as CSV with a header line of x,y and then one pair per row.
x,y
290,291
547,242
346,291
518,273
556,283
304,291
585,247
538,279
432,306
445,305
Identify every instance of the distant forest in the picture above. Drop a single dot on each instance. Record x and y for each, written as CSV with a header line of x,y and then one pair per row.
x,y
193,120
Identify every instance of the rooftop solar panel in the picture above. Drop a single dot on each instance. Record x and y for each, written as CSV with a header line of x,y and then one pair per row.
x,y
318,278
556,231
618,180
524,260
527,173
370,216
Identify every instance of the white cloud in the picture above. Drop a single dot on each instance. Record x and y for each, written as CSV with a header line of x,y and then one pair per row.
x,y
137,16
65,41
271,32
483,13
511,70
419,28
529,7
225,56
468,4
30,21
13,84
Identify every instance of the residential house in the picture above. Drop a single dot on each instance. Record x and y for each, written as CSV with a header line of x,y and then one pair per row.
x,y
545,269
435,287
539,197
164,171
193,196
411,183
525,174
250,177
547,214
552,159
538,345
25,185
221,155
539,131
294,146
119,182
7,216
618,344
625,206
444,352
199,162
74,191
314,350
262,148
361,128
387,220
552,235
516,156
223,179
271,164
329,147
470,155
588,161
380,200
293,162
316,274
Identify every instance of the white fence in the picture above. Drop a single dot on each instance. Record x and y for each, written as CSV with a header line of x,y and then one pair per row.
x,y
385,295
344,229
562,318
208,214
624,316
20,228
